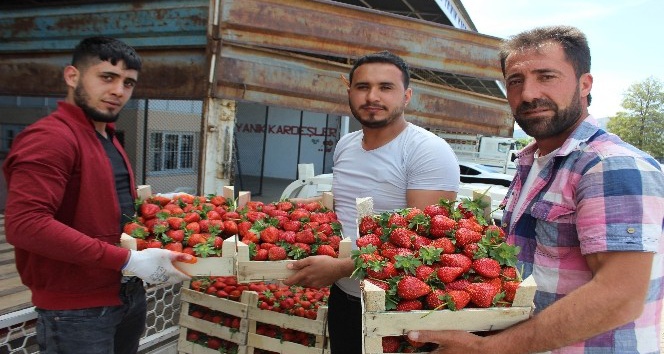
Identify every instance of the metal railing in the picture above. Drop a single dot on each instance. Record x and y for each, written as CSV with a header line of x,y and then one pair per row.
x,y
17,329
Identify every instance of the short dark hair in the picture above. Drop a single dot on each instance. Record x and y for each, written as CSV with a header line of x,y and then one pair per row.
x,y
92,49
384,57
571,39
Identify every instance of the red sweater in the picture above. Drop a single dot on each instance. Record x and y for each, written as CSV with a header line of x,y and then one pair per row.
x,y
62,212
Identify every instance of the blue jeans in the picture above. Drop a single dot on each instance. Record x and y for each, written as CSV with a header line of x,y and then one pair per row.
x,y
97,330
344,318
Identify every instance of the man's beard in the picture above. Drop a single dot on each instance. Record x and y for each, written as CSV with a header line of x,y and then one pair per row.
x,y
80,98
396,113
541,128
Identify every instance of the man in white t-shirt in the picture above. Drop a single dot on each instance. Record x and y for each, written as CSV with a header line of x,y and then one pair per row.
x,y
395,162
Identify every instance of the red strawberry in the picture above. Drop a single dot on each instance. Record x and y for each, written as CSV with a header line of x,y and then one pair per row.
x,y
443,243
482,294
471,224
397,220
461,284
367,225
509,273
410,288
464,236
402,237
174,246
409,305
326,250
436,209
420,241
305,236
292,225
423,272
149,210
441,226
368,239
136,230
457,299
435,299
487,267
276,253
261,255
381,270
448,274
509,287
270,234
456,260
495,234
471,249
391,344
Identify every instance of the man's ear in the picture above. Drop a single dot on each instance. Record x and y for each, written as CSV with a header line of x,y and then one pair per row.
x,y
408,95
71,76
585,84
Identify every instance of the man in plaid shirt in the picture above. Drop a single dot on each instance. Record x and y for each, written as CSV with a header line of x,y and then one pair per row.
x,y
586,209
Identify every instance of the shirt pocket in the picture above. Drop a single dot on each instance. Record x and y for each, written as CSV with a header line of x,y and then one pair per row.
x,y
555,229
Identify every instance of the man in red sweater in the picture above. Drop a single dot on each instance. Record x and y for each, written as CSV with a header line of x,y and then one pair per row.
x,y
70,189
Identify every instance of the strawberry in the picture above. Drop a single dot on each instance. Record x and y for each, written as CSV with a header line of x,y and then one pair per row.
x,y
410,288
397,220
487,267
276,253
419,241
457,299
435,299
269,234
230,228
149,210
471,224
326,250
436,209
464,236
285,205
391,344
441,226
448,274
456,260
509,287
471,249
482,294
509,273
305,236
409,305
174,246
136,230
368,239
460,284
292,225
261,255
423,272
381,270
495,234
444,244
402,237
299,214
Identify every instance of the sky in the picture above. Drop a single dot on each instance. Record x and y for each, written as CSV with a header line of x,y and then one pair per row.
x,y
625,37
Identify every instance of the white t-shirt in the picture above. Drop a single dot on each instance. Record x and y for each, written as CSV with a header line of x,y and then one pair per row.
x,y
415,159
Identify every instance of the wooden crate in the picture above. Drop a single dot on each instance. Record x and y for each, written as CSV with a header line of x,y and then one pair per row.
x,y
317,327
378,323
228,307
210,266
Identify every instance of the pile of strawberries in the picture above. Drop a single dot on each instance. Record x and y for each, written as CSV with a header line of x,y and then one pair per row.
x,y
286,230
198,225
443,257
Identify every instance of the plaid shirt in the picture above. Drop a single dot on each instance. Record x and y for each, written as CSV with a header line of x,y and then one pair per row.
x,y
597,194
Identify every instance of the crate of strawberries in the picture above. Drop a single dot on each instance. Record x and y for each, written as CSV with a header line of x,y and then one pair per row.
x,y
441,268
197,225
271,235
221,315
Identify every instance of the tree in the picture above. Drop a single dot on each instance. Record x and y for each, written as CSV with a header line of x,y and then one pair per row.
x,y
642,124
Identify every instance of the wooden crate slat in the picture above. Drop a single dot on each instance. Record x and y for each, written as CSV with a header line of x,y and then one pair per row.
x,y
234,308
276,345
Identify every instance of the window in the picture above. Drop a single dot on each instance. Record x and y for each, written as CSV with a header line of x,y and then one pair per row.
x,y
172,152
8,133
